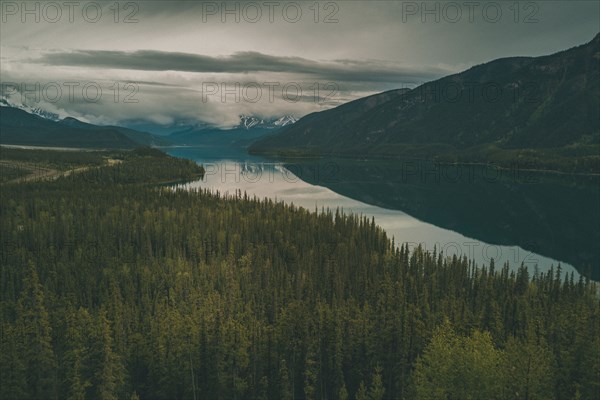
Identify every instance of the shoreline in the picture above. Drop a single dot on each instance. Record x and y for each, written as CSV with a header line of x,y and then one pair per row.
x,y
317,157
383,158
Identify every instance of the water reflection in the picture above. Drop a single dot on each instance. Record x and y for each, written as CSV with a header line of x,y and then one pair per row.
x,y
512,216
552,214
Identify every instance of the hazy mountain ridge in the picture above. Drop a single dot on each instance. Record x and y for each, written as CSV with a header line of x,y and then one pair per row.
x,y
23,125
19,127
249,128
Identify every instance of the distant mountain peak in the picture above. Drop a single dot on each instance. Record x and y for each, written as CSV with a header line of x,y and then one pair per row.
x,y
5,102
285,120
251,121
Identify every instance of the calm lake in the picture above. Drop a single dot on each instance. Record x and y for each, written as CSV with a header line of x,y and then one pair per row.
x,y
483,212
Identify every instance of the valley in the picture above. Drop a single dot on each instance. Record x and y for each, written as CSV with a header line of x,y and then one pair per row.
x,y
415,215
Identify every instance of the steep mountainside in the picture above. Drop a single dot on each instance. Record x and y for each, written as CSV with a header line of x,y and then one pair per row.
x,y
548,105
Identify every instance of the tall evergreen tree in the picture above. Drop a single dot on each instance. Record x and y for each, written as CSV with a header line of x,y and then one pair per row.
x,y
34,328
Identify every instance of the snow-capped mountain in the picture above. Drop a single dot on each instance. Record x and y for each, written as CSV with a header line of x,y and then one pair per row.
x,y
247,122
250,121
4,102
284,121
249,128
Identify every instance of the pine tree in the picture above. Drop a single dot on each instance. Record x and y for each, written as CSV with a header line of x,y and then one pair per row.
x,y
34,327
528,368
310,377
74,360
343,392
13,384
108,376
459,367
285,390
376,391
362,393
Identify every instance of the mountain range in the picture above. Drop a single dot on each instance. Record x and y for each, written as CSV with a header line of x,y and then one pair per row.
x,y
249,122
19,127
544,110
249,129
32,126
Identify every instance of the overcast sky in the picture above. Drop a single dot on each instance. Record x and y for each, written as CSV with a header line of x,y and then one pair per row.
x,y
212,61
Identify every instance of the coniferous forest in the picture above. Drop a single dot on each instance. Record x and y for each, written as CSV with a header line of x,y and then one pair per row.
x,y
115,286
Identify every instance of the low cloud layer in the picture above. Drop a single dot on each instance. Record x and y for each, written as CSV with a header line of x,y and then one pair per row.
x,y
242,62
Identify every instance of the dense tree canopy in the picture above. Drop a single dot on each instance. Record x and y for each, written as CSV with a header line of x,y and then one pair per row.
x,y
115,290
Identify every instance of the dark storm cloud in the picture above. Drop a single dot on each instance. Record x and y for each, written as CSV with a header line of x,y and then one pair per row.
x,y
240,62
175,48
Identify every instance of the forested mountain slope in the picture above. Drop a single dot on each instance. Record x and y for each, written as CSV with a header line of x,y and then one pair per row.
x,y
543,110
